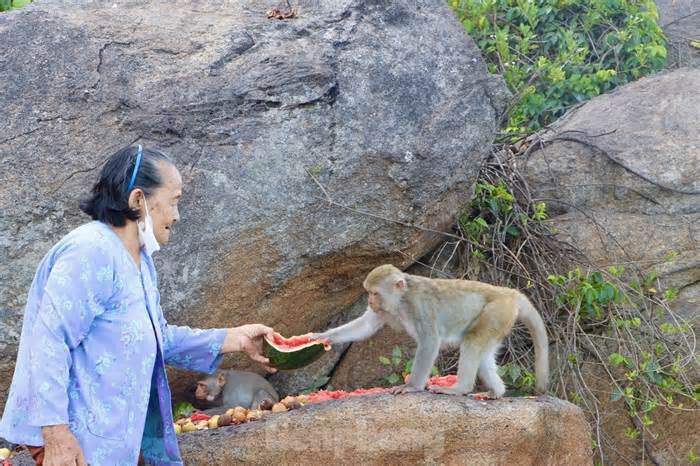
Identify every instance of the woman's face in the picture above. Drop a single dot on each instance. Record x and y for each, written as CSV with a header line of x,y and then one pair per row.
x,y
162,203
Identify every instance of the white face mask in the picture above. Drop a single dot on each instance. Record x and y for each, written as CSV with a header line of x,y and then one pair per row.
x,y
147,239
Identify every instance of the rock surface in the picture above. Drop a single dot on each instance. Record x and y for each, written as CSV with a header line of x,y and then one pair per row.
x,y
621,174
409,429
680,20
388,105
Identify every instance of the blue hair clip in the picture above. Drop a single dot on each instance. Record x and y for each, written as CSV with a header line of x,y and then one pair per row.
x,y
136,169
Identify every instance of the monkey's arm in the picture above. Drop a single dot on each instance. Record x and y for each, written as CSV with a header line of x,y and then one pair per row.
x,y
427,351
363,327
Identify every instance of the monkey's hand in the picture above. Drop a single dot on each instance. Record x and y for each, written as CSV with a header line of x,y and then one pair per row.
x,y
321,337
405,388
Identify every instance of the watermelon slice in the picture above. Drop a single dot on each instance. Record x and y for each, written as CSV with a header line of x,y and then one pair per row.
x,y
294,352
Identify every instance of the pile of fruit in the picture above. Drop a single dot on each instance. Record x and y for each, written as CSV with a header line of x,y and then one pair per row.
x,y
238,415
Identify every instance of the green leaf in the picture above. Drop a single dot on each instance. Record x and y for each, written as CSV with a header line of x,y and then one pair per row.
x,y
182,409
651,373
393,379
481,223
671,294
493,206
590,295
616,359
607,293
384,360
512,230
616,394
396,352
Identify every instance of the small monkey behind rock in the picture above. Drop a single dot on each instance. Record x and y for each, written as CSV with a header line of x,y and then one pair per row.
x,y
438,313
230,388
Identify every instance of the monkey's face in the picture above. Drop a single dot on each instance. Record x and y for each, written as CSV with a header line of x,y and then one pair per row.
x,y
206,391
374,300
386,296
201,391
385,288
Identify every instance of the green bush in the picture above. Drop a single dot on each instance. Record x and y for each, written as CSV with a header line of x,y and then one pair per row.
x,y
6,5
556,53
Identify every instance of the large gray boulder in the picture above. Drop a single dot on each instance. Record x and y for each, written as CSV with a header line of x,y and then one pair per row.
x,y
680,20
621,174
631,159
405,429
387,104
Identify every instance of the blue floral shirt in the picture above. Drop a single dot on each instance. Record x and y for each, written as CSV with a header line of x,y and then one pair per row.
x,y
93,350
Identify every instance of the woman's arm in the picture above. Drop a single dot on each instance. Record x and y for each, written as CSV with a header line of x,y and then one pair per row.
x,y
201,350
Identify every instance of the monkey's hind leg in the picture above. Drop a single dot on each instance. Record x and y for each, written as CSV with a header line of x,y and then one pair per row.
x,y
488,373
478,348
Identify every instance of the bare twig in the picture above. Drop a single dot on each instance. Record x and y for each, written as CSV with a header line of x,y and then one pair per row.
x,y
332,202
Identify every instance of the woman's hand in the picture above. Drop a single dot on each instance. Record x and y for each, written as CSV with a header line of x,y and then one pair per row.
x,y
249,339
61,447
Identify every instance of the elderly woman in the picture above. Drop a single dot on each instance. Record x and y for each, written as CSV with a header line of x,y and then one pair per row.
x,y
89,385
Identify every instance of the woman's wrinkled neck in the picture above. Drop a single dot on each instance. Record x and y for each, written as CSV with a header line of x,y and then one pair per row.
x,y
129,234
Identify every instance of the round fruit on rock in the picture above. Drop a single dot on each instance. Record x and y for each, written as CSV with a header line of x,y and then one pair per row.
x,y
294,352
288,399
4,453
267,405
279,408
189,427
240,413
214,421
178,428
253,415
225,420
293,405
229,411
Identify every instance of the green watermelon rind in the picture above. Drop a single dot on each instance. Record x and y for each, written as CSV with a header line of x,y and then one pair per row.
x,y
294,358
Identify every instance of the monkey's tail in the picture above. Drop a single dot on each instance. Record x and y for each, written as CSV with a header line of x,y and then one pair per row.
x,y
528,315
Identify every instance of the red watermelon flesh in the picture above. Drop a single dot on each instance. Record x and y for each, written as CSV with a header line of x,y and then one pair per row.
x,y
294,342
326,395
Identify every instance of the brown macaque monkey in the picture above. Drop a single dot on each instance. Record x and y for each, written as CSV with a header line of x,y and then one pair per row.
x,y
230,388
438,313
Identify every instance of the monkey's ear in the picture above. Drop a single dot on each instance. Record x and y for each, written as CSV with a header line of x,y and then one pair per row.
x,y
400,283
220,379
